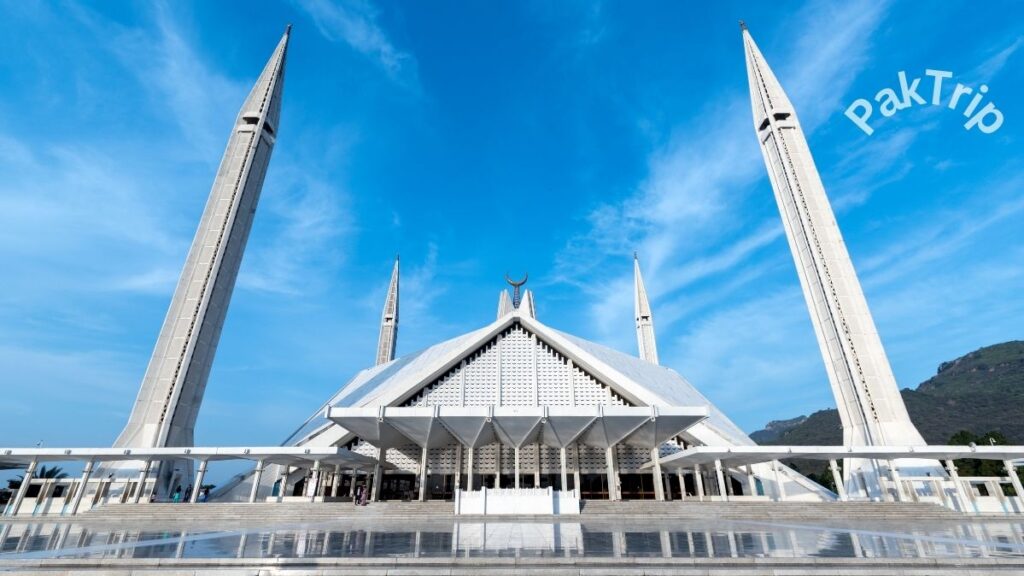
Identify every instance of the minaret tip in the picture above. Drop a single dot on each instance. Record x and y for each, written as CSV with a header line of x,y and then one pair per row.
x,y
388,339
743,26
635,257
646,343
288,30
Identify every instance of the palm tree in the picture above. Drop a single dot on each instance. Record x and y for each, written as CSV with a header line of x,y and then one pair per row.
x,y
51,473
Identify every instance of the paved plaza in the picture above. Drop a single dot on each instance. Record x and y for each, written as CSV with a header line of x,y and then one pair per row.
x,y
404,538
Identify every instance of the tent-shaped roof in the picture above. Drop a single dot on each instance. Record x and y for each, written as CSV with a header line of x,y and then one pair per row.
x,y
640,382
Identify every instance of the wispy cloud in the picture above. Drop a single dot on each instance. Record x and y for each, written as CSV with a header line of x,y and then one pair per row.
x,y
201,101
944,233
747,349
878,161
687,205
354,22
992,66
47,191
308,223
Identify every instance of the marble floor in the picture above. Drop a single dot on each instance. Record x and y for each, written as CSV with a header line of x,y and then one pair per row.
x,y
451,538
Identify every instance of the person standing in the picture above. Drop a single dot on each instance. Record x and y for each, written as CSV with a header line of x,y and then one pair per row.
x,y
177,494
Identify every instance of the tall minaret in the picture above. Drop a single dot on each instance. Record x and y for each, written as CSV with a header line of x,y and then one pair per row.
x,y
870,405
644,320
389,322
172,389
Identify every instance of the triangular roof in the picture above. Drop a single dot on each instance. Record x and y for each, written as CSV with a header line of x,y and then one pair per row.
x,y
637,381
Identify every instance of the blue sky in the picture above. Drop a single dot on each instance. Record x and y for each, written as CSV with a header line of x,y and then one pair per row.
x,y
476,138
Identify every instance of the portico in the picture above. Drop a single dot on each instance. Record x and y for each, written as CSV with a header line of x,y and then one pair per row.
x,y
73,492
981,494
548,433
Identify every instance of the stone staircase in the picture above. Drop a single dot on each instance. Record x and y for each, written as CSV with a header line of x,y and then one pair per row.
x,y
264,512
843,511
308,512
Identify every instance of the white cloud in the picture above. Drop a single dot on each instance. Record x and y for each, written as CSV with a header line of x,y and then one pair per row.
x,y
200,101
991,67
747,351
877,161
307,222
354,22
943,234
689,202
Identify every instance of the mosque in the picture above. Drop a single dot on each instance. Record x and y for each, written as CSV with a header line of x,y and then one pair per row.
x,y
517,415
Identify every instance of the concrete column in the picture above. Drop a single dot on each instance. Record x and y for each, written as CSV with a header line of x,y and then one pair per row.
x,y
751,481
536,471
894,475
82,486
681,475
336,481
423,474
26,479
352,486
517,467
143,476
282,482
698,478
779,488
576,471
469,470
941,493
613,474
257,475
659,481
838,479
497,466
378,473
46,491
314,481
458,467
1015,480
194,496
722,492
965,502
565,472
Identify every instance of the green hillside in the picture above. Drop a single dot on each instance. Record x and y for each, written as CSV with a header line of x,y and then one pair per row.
x,y
980,392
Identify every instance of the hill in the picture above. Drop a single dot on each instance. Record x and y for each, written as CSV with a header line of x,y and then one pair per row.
x,y
980,392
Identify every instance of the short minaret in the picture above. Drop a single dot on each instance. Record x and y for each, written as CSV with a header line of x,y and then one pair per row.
x,y
644,319
504,304
389,321
172,389
870,405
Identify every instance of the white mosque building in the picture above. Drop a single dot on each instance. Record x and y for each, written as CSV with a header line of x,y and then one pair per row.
x,y
517,411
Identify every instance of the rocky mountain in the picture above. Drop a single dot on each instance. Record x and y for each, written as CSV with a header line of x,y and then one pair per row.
x,y
980,392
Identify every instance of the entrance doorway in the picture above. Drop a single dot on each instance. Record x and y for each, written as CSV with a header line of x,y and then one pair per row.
x,y
441,487
637,486
594,486
398,487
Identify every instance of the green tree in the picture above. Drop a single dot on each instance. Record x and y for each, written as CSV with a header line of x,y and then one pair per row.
x,y
48,473
975,467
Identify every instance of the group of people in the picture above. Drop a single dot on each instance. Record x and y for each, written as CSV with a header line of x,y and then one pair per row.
x,y
361,496
179,496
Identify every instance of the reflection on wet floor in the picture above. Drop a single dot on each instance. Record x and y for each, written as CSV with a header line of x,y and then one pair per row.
x,y
449,538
